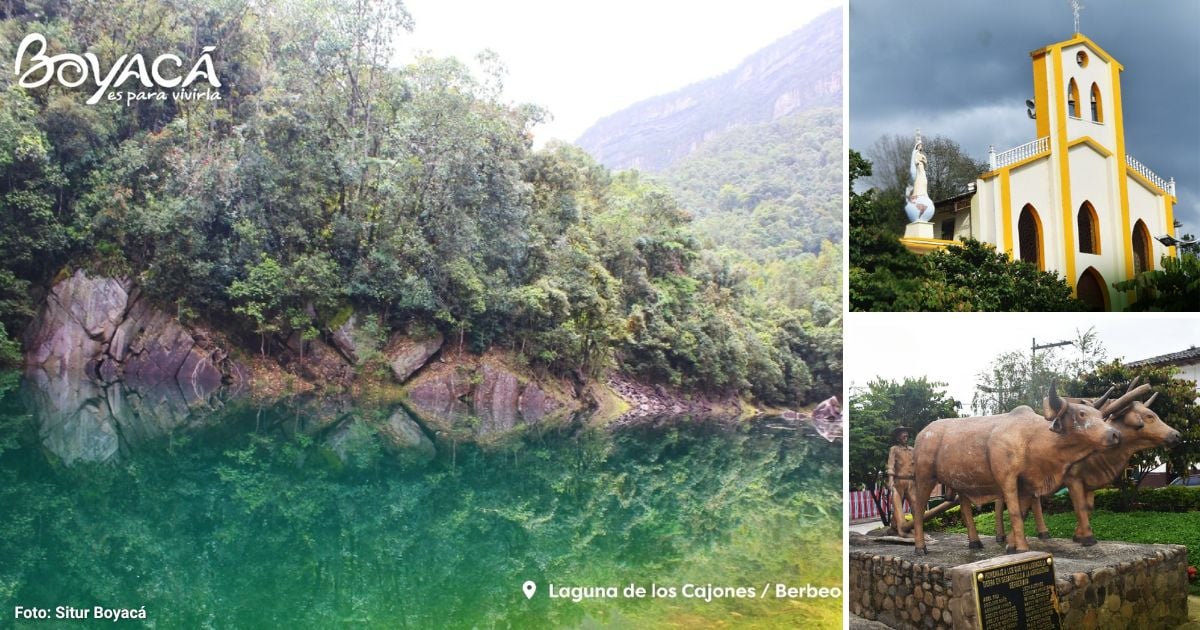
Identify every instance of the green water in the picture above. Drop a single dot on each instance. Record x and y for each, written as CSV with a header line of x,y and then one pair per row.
x,y
292,515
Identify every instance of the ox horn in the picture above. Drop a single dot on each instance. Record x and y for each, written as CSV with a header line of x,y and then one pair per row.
x,y
1099,402
1132,383
1054,404
1118,406
1147,403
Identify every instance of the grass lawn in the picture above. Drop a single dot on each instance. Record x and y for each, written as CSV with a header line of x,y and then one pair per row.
x,y
1179,528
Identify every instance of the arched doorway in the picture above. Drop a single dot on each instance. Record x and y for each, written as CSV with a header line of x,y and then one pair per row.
x,y
1091,290
1029,234
1142,257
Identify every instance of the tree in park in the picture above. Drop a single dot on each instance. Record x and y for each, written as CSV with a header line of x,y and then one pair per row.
x,y
1017,378
874,411
1023,377
1175,404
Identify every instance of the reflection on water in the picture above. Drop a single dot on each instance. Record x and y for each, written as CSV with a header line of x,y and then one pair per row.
x,y
213,512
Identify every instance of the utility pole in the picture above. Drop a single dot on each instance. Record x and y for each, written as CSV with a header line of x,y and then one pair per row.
x,y
1034,347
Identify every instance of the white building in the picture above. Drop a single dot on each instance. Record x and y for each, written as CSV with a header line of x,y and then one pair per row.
x,y
1072,200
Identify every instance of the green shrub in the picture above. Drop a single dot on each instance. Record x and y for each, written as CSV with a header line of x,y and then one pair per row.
x,y
1168,499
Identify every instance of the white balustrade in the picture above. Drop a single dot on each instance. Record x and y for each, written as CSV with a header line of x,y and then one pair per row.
x,y
1150,175
1016,154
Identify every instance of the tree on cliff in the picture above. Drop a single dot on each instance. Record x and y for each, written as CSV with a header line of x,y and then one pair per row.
x,y
326,181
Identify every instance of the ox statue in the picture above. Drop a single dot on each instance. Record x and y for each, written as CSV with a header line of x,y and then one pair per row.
x,y
1010,455
1140,429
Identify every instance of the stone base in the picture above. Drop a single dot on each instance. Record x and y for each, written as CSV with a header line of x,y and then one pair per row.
x,y
1109,585
918,229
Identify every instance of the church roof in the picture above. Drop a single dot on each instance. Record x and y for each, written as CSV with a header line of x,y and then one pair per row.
x,y
1183,357
1080,38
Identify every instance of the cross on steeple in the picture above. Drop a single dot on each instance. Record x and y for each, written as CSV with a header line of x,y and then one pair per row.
x,y
1076,8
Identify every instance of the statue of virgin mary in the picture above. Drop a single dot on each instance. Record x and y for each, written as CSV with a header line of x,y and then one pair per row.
x,y
917,203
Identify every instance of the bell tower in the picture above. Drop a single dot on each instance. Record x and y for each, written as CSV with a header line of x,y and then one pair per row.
x,y
1077,90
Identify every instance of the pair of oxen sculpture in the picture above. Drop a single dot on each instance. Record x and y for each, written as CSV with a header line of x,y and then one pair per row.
x,y
1018,457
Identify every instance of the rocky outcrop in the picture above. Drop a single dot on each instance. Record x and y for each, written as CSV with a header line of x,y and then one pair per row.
x,y
801,71
103,329
345,339
646,400
406,354
483,395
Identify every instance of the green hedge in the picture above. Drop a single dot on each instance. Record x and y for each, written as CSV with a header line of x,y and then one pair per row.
x,y
1168,499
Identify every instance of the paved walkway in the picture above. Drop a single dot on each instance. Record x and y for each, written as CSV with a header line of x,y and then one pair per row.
x,y
863,528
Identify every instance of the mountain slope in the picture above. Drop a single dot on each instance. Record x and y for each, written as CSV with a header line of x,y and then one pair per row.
x,y
799,72
772,190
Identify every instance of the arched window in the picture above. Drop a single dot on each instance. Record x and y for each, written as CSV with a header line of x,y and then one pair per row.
x,y
1089,229
1142,260
1091,290
1073,99
1097,105
1029,232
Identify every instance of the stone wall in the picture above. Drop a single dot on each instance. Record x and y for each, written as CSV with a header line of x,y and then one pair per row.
x,y
1112,585
1149,592
900,592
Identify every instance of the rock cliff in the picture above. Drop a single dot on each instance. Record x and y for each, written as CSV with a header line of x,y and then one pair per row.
x,y
102,329
799,72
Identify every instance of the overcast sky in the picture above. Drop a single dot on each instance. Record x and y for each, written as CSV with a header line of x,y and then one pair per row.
x,y
585,60
955,347
962,70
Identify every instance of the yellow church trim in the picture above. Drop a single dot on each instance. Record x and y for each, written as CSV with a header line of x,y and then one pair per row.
x,y
1170,204
1122,178
1091,142
1079,38
1041,96
919,245
1064,166
1006,211
1015,165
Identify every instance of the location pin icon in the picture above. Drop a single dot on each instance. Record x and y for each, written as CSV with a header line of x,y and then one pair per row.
x,y
530,588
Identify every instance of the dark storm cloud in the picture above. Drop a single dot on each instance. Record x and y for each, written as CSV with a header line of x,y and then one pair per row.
x,y
961,69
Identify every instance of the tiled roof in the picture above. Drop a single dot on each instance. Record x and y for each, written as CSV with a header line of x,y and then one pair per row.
x,y
1191,355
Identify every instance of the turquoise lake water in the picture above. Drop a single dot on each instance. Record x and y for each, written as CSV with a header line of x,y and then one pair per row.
x,y
321,514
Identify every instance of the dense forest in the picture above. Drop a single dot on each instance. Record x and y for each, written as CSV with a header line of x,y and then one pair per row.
x,y
326,181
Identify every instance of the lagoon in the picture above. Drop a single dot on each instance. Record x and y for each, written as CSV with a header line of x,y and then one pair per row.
x,y
316,513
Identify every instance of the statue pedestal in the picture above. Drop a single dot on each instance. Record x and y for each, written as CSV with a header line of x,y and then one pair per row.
x,y
1109,585
918,229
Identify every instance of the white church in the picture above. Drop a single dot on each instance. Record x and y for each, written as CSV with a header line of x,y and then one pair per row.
x,y
1072,200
